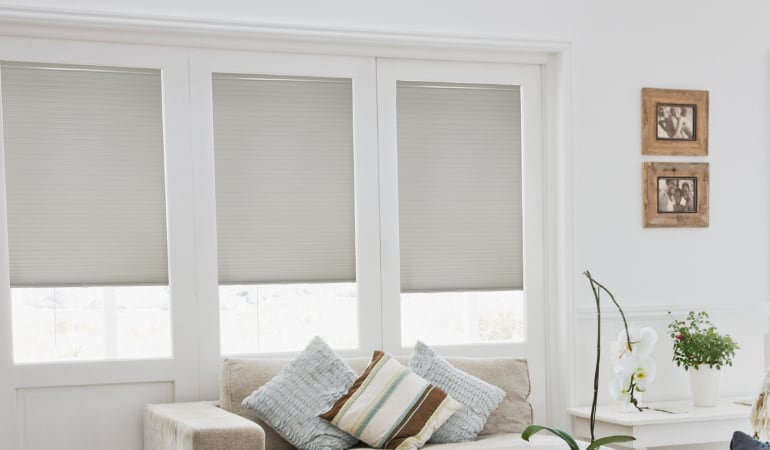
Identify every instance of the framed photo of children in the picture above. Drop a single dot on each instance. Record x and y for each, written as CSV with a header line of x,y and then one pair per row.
x,y
675,122
675,194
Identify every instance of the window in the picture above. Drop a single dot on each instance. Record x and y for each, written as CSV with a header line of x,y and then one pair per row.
x,y
461,206
448,202
283,151
463,317
285,317
440,206
460,215
85,194
90,323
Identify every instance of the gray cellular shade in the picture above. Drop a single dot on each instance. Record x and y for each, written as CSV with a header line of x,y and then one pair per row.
x,y
459,174
284,179
84,175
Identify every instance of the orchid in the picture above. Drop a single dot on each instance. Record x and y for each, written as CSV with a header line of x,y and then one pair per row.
x,y
639,372
634,368
633,373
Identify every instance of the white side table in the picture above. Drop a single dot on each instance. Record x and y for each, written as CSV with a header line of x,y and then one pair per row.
x,y
689,425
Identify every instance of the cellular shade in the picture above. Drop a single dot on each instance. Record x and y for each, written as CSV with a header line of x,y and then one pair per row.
x,y
459,174
84,175
284,179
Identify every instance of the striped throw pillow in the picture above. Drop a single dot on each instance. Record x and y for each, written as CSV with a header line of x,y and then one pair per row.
x,y
390,407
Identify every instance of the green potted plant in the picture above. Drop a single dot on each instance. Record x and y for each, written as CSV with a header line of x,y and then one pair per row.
x,y
700,347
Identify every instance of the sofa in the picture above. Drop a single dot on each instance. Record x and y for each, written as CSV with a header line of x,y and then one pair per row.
x,y
228,425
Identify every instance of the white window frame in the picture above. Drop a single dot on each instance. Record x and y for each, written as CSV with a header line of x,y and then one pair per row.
x,y
529,77
181,368
172,48
362,71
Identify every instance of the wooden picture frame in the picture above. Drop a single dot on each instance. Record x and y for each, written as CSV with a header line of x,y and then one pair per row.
x,y
675,122
675,194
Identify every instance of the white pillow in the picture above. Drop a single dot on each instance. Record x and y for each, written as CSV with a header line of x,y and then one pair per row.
x,y
309,385
479,398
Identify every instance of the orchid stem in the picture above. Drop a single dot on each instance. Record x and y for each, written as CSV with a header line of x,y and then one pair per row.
x,y
612,297
597,287
597,296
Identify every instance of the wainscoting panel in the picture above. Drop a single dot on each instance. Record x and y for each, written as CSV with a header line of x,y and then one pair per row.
x,y
97,417
747,323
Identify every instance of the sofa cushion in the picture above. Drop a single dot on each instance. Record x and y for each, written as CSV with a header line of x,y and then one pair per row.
x,y
507,441
291,402
390,407
512,376
502,441
240,377
479,398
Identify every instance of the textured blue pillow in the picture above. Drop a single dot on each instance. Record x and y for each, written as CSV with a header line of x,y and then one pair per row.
x,y
308,386
742,441
479,398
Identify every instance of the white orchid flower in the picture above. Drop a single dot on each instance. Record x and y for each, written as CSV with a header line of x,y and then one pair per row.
x,y
643,371
642,341
632,366
622,342
620,388
648,337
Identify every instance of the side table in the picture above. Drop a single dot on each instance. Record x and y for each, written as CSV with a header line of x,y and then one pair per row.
x,y
651,428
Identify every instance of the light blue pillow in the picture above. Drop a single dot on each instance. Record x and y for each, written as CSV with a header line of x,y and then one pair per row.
x,y
479,398
308,386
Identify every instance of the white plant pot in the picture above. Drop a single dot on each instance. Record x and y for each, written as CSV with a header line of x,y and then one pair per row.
x,y
704,384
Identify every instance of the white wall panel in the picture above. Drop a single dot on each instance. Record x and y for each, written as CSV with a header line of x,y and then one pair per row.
x,y
86,417
745,323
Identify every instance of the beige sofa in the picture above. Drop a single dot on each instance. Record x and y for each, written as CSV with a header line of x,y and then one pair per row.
x,y
227,425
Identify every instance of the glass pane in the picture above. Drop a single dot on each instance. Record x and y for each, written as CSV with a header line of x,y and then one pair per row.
x,y
456,318
284,317
90,323
143,322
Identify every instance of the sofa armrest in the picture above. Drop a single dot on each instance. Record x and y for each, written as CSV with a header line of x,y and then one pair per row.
x,y
199,426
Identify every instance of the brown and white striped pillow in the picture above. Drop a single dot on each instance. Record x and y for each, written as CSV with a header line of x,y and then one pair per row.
x,y
390,407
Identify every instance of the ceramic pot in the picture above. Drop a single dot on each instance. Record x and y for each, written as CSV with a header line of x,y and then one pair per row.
x,y
704,384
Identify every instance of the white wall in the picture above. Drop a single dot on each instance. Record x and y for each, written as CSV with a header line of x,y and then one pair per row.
x,y
617,48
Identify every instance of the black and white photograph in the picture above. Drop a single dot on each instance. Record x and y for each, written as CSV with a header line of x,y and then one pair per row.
x,y
676,122
677,195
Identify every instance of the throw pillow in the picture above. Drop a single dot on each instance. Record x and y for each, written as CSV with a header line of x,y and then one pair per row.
x,y
309,385
479,398
388,406
742,441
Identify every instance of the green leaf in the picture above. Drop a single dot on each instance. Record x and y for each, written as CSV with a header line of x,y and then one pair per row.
x,y
609,440
532,429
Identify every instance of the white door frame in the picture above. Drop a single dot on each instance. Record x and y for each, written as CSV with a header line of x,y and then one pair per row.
x,y
361,71
529,77
182,369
